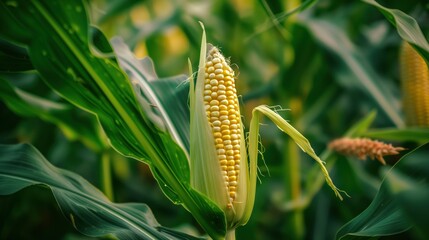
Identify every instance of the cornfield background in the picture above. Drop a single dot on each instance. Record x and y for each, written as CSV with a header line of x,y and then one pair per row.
x,y
333,66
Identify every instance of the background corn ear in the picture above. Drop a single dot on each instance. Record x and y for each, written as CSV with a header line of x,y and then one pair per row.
x,y
415,86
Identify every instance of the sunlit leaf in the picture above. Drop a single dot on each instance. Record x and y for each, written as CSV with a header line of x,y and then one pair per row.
x,y
168,96
406,134
115,8
303,6
317,177
277,19
407,28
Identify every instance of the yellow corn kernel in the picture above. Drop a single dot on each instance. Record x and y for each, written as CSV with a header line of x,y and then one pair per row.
x,y
220,75
415,86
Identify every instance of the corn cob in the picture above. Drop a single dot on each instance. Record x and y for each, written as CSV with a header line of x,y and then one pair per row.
x,y
415,86
223,115
363,147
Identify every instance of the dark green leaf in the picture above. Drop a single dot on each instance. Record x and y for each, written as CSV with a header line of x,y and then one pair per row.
x,y
393,210
332,37
381,218
13,58
75,124
86,207
408,184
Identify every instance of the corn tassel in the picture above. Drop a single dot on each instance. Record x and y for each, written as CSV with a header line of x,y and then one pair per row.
x,y
415,86
363,148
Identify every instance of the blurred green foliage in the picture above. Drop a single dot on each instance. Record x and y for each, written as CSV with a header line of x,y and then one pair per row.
x,y
330,65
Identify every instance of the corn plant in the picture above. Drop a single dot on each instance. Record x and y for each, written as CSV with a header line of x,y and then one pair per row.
x,y
217,140
190,130
137,125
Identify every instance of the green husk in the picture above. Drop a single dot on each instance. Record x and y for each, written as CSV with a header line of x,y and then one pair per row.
x,y
299,139
205,169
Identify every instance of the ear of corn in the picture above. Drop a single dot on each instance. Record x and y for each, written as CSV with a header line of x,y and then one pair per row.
x,y
219,162
220,167
415,86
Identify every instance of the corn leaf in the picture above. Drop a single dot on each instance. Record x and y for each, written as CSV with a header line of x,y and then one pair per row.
x,y
400,202
381,218
417,134
303,6
75,124
13,58
332,37
296,136
88,75
92,81
314,179
164,100
407,27
362,126
63,57
275,20
82,204
408,185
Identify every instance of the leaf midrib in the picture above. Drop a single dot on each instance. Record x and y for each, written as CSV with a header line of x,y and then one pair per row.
x,y
91,71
